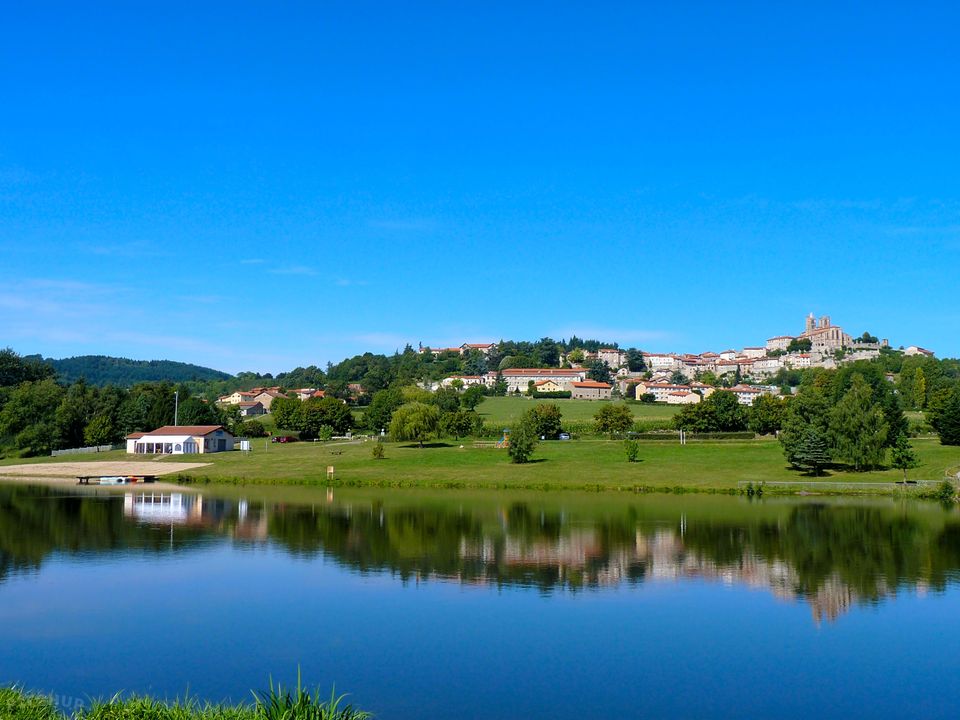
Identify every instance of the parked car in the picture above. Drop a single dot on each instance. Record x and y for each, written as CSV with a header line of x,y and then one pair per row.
x,y
563,436
283,439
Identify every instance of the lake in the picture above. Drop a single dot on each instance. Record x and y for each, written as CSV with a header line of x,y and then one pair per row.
x,y
487,604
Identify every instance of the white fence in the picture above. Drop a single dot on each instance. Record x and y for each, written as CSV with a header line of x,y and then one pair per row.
x,y
81,451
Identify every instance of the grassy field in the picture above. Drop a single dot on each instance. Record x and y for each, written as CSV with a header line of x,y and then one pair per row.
x,y
579,464
505,410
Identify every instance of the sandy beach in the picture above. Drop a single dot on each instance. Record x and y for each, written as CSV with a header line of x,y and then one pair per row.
x,y
66,473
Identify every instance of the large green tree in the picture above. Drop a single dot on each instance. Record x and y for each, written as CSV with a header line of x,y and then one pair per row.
x,y
945,417
858,428
415,421
547,420
807,410
766,415
613,418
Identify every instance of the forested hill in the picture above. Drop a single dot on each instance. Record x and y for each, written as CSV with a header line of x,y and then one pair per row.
x,y
103,370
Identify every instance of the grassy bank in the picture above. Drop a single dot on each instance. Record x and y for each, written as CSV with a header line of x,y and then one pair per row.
x,y
276,704
575,465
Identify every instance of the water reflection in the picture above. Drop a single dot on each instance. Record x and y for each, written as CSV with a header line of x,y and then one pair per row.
x,y
830,555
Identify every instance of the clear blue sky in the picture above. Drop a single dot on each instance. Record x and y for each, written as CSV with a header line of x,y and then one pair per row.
x,y
253,185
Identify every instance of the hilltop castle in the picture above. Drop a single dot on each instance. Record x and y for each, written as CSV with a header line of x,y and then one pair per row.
x,y
824,337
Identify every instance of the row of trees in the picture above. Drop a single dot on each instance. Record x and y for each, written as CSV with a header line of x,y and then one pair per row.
x,y
38,414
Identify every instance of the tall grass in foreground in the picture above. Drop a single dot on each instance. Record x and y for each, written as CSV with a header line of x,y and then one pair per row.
x,y
276,704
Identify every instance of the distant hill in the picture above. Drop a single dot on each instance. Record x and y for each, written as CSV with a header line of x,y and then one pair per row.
x,y
104,370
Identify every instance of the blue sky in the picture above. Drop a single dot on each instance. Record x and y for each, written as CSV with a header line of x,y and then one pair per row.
x,y
253,185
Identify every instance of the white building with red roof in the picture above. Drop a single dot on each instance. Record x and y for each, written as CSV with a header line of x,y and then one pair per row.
x,y
181,440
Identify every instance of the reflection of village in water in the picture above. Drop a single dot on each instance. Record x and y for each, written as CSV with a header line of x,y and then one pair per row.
x,y
549,551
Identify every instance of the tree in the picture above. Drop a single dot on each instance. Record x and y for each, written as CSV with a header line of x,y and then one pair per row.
x,y
472,397
317,413
99,431
523,439
599,371
635,361
858,428
380,411
678,378
447,399
613,418
945,417
459,423
766,415
813,452
919,389
799,345
286,412
632,448
575,356
29,415
807,410
15,369
546,418
415,421
902,456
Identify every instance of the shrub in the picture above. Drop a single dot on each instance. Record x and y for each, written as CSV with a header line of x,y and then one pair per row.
x,y
632,448
523,439
377,451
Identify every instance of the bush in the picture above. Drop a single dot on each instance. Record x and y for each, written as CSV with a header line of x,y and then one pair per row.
x,y
632,448
377,451
523,439
252,429
558,394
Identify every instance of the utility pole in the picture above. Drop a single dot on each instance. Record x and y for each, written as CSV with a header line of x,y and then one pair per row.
x,y
176,406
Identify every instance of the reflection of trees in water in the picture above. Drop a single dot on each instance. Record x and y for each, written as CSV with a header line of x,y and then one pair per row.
x,y
832,555
35,522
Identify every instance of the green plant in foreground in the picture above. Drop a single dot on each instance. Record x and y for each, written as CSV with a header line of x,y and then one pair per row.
x,y
632,448
276,704
281,704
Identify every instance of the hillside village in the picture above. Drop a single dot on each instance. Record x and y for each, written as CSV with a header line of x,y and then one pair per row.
x,y
607,372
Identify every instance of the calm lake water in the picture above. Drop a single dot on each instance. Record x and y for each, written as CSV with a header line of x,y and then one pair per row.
x,y
488,605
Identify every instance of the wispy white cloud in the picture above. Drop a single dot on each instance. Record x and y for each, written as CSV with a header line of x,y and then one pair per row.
x,y
293,270
346,282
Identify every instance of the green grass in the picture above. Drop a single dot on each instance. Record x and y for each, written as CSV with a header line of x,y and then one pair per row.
x,y
582,464
275,704
507,409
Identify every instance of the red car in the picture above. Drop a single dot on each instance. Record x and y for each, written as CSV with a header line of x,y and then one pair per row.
x,y
283,439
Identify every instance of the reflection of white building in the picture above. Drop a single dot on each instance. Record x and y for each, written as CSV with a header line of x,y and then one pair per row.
x,y
161,507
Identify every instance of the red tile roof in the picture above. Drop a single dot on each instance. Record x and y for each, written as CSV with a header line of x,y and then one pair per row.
x,y
591,384
186,430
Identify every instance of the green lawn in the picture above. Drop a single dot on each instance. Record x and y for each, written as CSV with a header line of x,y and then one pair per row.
x,y
505,410
582,464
